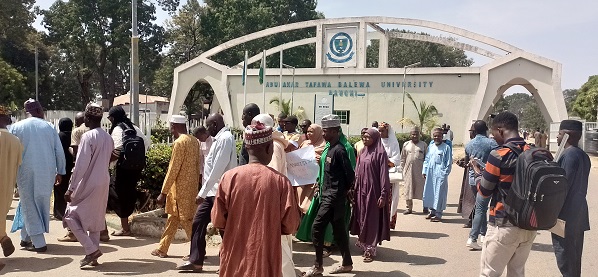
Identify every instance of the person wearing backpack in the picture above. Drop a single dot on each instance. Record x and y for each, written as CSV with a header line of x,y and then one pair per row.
x,y
577,166
128,160
505,245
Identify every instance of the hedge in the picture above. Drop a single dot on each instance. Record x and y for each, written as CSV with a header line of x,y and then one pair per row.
x,y
152,176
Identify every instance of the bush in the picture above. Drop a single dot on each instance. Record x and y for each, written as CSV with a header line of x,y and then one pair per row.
x,y
160,135
152,176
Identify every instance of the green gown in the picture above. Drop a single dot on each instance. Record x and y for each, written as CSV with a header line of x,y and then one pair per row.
x,y
304,232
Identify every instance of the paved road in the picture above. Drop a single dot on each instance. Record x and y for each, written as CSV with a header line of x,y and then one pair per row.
x,y
417,248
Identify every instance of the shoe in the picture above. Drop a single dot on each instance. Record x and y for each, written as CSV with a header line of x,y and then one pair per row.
x,y
90,259
429,216
473,244
104,237
26,243
435,219
69,237
426,211
7,247
38,250
407,212
189,267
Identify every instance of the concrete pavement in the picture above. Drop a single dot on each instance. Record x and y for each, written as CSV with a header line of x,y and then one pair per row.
x,y
417,248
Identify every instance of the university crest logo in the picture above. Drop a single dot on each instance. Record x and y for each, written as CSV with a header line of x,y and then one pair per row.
x,y
341,48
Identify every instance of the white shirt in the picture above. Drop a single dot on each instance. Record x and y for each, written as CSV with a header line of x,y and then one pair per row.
x,y
221,158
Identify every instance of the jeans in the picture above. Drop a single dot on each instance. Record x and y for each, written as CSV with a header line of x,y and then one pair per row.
x,y
479,223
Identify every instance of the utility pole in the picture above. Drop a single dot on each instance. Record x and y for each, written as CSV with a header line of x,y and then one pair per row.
x,y
36,74
404,77
293,90
134,91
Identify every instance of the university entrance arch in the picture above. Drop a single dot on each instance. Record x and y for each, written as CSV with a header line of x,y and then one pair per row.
x,y
361,95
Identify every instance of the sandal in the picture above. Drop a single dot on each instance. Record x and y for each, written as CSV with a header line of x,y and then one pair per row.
x,y
342,269
367,258
159,253
121,233
326,253
313,271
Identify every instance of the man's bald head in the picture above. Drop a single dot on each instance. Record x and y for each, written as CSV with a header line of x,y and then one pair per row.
x,y
249,112
79,119
214,123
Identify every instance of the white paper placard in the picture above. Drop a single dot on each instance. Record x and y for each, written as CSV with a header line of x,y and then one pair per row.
x,y
302,168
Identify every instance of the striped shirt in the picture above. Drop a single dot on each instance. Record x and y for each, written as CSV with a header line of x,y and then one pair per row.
x,y
499,172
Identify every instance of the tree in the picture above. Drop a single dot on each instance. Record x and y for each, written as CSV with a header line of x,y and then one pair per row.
x,y
525,107
586,102
94,38
426,115
570,95
284,106
226,20
12,84
402,52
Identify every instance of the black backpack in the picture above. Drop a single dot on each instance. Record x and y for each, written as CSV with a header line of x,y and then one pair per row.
x,y
538,190
132,156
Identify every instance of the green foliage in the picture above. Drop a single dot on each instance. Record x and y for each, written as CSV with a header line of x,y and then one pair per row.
x,y
525,107
93,39
229,19
587,100
161,135
402,52
570,95
152,177
12,83
426,115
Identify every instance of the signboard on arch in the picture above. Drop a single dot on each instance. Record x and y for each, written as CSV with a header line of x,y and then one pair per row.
x,y
340,46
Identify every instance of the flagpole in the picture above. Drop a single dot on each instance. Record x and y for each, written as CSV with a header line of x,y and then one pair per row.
x,y
264,79
280,82
245,80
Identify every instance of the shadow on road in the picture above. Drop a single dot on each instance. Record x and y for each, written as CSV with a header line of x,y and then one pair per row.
x,y
420,235
74,248
131,267
400,256
395,273
130,242
542,247
33,264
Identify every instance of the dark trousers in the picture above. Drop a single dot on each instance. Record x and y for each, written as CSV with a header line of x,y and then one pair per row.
x,y
198,237
333,213
59,191
568,252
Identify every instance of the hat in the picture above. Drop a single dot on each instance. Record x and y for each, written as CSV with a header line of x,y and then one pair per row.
x,y
256,134
178,119
94,109
264,118
571,125
32,105
4,110
331,121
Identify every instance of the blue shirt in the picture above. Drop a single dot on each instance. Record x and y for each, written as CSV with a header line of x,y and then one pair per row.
x,y
479,147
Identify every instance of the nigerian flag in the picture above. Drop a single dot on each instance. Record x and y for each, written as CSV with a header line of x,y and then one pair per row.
x,y
263,68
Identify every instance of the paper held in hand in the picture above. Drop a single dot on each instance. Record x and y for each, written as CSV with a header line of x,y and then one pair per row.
x,y
559,228
302,168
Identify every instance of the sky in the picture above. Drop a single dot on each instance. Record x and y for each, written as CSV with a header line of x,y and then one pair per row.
x,y
564,31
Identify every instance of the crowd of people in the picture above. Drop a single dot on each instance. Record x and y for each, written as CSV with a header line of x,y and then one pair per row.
x,y
249,199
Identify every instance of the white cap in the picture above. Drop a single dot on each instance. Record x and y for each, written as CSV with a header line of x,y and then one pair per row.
x,y
178,119
264,118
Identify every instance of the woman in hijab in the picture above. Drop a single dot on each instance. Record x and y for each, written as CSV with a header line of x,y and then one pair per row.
x,y
393,150
65,127
123,184
371,217
315,138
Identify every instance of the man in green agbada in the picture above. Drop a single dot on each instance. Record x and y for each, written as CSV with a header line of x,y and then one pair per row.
x,y
326,216
304,232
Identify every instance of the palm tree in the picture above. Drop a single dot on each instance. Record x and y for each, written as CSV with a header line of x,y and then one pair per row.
x,y
284,106
426,115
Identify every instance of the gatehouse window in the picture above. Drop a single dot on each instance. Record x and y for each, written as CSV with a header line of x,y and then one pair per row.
x,y
344,115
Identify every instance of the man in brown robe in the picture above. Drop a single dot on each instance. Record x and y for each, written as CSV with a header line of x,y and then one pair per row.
x,y
412,163
254,204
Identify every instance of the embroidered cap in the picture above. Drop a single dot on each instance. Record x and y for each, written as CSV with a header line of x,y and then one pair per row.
x,y
331,121
264,118
94,110
571,125
258,133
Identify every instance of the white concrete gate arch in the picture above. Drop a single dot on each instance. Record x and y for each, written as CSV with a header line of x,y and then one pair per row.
x,y
480,88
